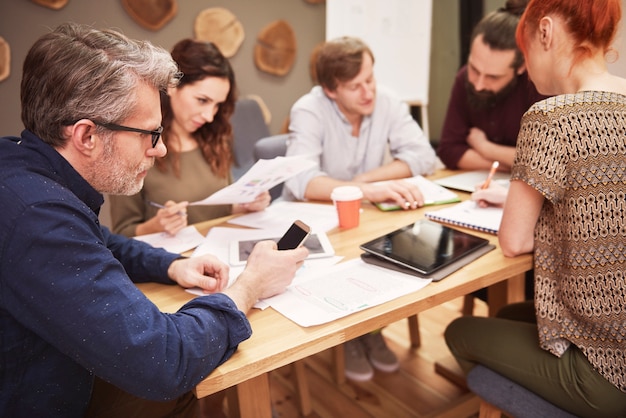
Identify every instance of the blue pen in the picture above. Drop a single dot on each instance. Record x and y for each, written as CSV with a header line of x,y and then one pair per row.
x,y
160,206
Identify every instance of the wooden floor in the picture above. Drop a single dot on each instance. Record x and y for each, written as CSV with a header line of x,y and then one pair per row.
x,y
416,390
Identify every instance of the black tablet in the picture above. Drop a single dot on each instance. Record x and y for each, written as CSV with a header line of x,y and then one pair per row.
x,y
424,246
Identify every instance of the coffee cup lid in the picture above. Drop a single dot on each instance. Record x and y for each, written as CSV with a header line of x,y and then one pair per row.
x,y
346,193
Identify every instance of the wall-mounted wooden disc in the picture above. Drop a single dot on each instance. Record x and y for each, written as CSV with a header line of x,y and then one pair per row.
x,y
220,26
51,4
5,59
151,14
275,49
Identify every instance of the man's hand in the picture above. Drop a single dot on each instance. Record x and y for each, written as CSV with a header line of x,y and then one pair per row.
x,y
268,272
206,272
405,194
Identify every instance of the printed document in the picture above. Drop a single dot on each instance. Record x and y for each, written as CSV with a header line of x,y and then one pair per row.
x,y
261,177
324,295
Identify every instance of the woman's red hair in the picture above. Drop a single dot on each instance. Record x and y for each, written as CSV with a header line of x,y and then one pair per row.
x,y
592,24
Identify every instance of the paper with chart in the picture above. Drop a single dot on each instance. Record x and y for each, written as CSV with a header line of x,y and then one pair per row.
x,y
324,295
262,176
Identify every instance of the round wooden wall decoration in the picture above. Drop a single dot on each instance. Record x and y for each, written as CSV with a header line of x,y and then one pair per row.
x,y
220,26
151,14
51,4
275,49
5,59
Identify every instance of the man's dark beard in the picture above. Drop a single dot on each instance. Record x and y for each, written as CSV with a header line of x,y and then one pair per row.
x,y
485,99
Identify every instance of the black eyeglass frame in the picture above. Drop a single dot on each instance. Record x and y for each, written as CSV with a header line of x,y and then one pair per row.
x,y
156,134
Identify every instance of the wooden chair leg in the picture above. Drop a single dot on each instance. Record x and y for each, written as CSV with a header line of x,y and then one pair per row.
x,y
487,410
468,305
302,388
414,331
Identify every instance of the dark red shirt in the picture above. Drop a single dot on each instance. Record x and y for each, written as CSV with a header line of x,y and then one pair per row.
x,y
500,123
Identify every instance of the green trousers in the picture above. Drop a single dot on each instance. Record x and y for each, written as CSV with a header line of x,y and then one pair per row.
x,y
509,345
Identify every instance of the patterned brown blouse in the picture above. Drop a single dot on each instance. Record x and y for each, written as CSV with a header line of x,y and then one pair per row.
x,y
572,149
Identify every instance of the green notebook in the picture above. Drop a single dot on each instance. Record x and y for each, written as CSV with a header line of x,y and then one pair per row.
x,y
434,194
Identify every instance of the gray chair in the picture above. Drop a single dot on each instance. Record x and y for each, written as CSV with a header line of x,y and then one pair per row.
x,y
248,127
268,148
500,395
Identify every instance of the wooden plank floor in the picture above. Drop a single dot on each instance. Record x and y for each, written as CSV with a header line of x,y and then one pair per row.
x,y
416,390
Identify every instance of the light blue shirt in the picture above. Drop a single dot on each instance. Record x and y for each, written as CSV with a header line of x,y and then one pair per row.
x,y
320,131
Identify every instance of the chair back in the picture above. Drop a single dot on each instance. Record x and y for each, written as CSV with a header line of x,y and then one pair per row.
x,y
248,127
268,148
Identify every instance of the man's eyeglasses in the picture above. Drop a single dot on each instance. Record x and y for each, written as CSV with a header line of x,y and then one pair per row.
x,y
113,127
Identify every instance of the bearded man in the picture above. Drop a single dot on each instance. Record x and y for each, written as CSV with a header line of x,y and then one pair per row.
x,y
490,95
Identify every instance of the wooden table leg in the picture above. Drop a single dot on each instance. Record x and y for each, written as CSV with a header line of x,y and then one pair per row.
x,y
339,364
503,293
254,399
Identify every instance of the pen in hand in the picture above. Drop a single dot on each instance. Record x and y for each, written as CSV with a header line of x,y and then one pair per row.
x,y
160,206
494,167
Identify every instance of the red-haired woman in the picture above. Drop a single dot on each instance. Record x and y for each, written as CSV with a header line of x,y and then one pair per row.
x,y
567,205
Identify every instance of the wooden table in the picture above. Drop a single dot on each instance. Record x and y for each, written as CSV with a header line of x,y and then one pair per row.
x,y
276,341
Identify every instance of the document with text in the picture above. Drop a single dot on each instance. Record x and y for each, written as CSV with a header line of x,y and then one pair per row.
x,y
262,176
327,294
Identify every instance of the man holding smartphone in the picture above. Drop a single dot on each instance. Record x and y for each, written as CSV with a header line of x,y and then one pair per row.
x,y
79,339
358,133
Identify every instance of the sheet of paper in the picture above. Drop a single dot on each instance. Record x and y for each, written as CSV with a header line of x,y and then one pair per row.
x,y
308,266
328,294
186,239
469,180
217,243
280,215
262,176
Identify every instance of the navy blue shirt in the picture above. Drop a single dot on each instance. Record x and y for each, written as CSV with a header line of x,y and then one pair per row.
x,y
68,307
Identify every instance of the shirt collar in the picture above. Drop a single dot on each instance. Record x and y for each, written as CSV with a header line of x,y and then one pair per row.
x,y
63,172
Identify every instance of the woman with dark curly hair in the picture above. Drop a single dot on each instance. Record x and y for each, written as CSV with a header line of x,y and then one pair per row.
x,y
198,136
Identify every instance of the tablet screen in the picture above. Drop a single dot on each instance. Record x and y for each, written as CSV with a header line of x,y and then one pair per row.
x,y
424,246
312,243
317,243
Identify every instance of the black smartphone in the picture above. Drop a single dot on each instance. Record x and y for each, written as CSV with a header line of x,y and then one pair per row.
x,y
295,236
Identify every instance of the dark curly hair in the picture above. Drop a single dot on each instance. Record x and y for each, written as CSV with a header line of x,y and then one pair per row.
x,y
198,60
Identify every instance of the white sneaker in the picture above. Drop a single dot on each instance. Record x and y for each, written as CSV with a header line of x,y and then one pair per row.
x,y
357,366
381,357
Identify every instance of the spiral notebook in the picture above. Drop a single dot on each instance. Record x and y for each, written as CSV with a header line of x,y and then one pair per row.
x,y
469,215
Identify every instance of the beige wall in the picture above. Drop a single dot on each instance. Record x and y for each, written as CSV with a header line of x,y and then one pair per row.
x,y
22,21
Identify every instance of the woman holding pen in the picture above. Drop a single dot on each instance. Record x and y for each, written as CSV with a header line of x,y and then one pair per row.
x,y
566,205
198,136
